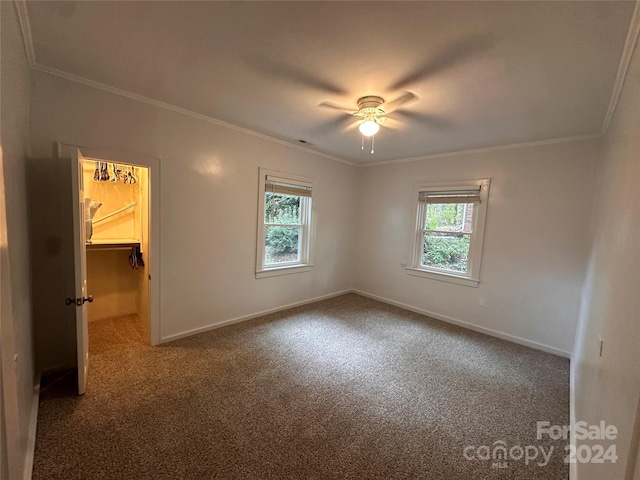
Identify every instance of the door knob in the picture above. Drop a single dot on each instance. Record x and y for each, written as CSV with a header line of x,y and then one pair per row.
x,y
78,301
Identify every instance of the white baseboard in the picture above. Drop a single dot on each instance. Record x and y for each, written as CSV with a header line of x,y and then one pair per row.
x,y
244,318
437,316
470,326
33,425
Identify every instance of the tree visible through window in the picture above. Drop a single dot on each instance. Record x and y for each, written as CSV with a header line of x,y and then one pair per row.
x,y
446,236
284,224
449,231
283,228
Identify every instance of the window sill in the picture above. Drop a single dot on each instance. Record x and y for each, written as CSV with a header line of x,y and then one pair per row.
x,y
443,277
285,270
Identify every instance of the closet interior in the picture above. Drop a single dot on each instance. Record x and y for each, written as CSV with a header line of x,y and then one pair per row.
x,y
117,239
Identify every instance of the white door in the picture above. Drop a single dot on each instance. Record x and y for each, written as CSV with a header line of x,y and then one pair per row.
x,y
80,266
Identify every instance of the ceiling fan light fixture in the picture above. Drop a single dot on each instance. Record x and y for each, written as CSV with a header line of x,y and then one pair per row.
x,y
369,128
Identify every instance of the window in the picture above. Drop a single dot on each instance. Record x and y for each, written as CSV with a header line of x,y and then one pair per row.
x,y
284,224
449,231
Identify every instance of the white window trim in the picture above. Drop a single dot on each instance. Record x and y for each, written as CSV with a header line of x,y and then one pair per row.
x,y
305,264
472,277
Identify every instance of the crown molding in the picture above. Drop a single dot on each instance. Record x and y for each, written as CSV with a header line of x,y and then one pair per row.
x,y
174,108
494,148
25,27
627,52
167,106
632,36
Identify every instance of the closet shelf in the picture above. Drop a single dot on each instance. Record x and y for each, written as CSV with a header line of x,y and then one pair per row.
x,y
112,244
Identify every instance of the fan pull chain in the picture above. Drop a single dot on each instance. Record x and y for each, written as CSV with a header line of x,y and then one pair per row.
x,y
372,144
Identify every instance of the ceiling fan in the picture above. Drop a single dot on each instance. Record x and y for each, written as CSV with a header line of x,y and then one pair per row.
x,y
373,111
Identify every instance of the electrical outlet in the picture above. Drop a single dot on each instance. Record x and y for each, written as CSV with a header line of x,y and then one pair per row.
x,y
600,345
481,301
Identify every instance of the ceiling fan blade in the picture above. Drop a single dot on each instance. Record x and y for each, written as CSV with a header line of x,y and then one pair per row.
x,y
448,57
339,123
337,107
431,120
390,124
353,125
401,100
292,74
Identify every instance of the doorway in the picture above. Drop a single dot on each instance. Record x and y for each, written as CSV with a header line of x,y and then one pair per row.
x,y
132,238
117,242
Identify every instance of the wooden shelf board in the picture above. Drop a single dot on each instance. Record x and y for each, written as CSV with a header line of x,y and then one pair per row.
x,y
112,244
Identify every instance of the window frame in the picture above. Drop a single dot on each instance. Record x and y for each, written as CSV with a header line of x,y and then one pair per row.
x,y
306,232
472,277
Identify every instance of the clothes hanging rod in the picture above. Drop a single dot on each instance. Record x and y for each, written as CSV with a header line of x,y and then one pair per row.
x,y
120,210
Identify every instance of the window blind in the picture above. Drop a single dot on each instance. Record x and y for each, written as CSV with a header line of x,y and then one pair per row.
x,y
285,186
450,196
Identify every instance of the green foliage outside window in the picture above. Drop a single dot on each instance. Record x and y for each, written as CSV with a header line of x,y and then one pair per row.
x,y
447,247
282,242
445,216
446,251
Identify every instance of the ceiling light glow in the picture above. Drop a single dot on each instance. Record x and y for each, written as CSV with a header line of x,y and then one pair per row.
x,y
369,128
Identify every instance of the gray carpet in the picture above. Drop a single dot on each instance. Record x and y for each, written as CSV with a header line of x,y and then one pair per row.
x,y
344,388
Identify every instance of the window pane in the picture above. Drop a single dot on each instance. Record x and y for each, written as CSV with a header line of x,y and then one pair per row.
x,y
445,250
450,217
283,209
282,244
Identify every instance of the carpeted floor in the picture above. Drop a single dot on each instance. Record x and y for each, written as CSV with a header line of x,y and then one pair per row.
x,y
344,388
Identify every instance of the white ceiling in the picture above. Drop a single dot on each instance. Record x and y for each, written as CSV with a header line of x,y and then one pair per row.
x,y
485,73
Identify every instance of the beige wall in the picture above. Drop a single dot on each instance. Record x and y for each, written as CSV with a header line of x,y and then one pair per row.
x,y
144,306
15,327
113,284
608,387
535,242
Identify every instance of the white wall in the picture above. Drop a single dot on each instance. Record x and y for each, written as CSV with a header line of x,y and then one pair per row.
x,y
535,243
15,326
608,387
209,201
536,250
536,240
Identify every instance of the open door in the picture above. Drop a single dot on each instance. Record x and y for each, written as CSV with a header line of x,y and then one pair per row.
x,y
80,266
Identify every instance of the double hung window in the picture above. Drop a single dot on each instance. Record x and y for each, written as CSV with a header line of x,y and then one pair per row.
x,y
284,225
449,231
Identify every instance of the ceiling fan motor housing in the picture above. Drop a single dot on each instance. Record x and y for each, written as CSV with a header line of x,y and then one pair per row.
x,y
370,105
